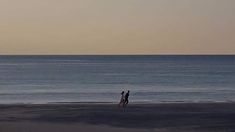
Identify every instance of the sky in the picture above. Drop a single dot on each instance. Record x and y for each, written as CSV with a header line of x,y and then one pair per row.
x,y
117,27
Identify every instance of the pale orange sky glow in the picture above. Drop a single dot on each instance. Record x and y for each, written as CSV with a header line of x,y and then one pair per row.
x,y
117,27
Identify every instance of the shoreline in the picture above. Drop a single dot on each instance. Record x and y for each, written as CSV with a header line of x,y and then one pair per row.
x,y
135,103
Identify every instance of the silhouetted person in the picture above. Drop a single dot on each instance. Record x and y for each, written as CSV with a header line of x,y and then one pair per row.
x,y
122,99
126,101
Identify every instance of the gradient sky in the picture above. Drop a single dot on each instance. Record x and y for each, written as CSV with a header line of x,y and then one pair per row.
x,y
117,26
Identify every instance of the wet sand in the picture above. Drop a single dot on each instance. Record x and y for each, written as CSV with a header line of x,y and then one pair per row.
x,y
90,117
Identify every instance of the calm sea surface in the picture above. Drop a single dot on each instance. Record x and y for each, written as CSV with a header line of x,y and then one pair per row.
x,y
45,79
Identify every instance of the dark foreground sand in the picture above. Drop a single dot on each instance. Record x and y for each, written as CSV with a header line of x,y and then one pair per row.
x,y
185,117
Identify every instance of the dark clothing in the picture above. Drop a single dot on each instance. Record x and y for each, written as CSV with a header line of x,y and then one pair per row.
x,y
126,96
126,99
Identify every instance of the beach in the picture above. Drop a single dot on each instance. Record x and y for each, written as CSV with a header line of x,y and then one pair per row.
x,y
106,117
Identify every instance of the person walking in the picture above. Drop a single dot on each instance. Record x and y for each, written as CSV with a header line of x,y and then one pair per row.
x,y
122,99
126,101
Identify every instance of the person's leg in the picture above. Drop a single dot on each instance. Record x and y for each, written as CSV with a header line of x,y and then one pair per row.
x,y
121,102
124,103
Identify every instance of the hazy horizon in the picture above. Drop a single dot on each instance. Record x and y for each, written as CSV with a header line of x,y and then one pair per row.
x,y
111,27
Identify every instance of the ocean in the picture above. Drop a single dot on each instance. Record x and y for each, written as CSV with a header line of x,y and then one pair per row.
x,y
101,78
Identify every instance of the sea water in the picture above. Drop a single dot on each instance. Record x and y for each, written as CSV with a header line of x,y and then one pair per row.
x,y
92,78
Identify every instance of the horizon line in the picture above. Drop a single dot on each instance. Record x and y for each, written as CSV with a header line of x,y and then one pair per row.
x,y
114,54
